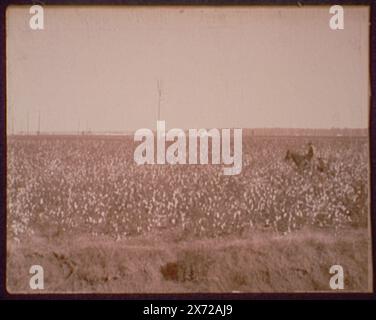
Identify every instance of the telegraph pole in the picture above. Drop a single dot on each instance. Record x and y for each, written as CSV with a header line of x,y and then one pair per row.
x,y
12,121
27,123
38,122
159,88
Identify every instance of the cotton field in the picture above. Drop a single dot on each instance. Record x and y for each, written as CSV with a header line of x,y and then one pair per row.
x,y
63,185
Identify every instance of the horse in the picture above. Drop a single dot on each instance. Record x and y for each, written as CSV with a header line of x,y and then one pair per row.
x,y
300,160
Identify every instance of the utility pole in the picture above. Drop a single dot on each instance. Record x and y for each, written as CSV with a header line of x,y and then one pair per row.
x,y
38,122
159,88
27,122
12,121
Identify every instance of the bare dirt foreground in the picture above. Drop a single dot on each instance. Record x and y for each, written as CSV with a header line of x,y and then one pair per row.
x,y
165,263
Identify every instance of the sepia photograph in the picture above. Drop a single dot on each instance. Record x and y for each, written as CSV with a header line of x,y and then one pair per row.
x,y
188,149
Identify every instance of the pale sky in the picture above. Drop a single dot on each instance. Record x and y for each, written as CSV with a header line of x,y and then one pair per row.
x,y
97,68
